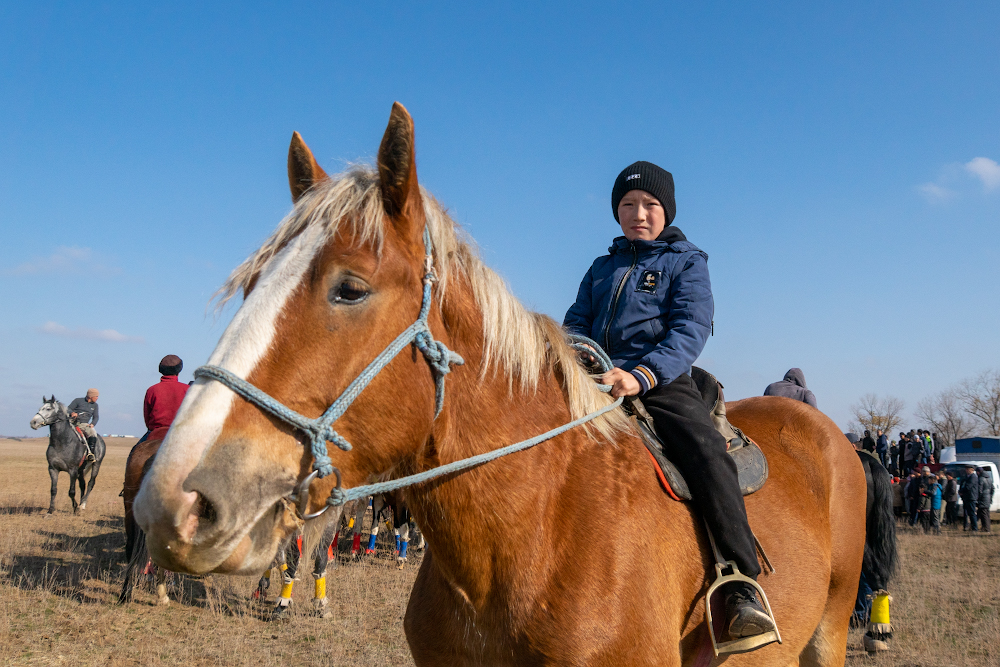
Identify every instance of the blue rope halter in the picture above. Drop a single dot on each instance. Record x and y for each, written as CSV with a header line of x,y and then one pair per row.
x,y
438,356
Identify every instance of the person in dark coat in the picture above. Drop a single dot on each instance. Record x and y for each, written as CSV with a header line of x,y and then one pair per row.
x,y
950,496
649,304
985,498
969,492
793,386
882,449
907,452
894,458
868,442
914,496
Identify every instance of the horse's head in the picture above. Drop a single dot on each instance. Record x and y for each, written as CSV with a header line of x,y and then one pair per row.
x,y
336,283
49,413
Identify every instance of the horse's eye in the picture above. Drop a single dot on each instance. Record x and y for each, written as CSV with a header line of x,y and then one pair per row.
x,y
349,291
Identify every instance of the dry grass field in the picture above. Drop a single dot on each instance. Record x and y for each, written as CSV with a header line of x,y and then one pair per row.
x,y
60,577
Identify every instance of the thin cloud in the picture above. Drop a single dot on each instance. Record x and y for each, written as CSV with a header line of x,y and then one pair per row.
x,y
986,170
109,335
64,260
934,193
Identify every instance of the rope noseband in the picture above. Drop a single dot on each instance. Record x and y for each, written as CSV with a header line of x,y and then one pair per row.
x,y
439,358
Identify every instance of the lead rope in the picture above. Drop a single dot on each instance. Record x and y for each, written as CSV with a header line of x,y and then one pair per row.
x,y
320,430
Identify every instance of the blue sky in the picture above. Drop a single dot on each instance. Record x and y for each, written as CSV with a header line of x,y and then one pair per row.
x,y
838,163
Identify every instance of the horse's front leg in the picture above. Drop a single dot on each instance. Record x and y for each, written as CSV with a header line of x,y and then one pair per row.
x,y
54,476
95,468
81,479
73,474
161,587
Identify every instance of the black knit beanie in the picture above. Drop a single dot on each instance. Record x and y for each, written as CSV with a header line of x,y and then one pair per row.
x,y
645,176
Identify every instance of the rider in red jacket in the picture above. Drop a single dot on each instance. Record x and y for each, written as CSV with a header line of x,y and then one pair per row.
x,y
164,398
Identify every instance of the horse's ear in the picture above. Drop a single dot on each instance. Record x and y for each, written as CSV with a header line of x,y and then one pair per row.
x,y
397,171
303,172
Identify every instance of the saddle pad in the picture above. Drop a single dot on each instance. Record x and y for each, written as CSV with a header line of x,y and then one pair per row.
x,y
750,464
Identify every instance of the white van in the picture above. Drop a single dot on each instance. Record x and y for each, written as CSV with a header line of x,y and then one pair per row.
x,y
957,468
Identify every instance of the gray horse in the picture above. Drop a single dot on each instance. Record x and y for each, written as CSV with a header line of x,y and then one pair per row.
x,y
67,452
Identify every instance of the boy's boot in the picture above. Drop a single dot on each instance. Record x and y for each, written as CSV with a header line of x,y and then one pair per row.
x,y
91,446
745,615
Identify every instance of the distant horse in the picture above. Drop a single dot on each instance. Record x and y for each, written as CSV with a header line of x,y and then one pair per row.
x,y
67,453
521,569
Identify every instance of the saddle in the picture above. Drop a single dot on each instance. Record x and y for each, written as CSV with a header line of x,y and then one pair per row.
x,y
750,461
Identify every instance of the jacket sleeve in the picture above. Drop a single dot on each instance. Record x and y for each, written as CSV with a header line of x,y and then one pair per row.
x,y
688,326
579,318
97,415
810,399
147,409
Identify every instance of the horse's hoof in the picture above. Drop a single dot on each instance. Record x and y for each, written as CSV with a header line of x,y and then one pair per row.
x,y
282,612
321,608
83,506
163,602
873,645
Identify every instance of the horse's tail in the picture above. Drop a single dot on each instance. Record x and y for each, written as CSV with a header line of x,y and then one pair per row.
x,y
136,566
881,554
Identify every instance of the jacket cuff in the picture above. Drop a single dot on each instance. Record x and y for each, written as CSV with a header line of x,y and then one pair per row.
x,y
646,378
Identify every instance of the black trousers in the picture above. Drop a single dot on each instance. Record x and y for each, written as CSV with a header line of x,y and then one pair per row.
x,y
685,425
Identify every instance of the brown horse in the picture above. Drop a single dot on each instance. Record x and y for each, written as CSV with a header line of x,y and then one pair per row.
x,y
139,461
522,569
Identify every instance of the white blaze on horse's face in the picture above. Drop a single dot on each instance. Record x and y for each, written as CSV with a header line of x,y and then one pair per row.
x,y
163,508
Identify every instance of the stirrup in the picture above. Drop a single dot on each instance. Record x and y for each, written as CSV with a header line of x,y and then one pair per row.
x,y
743,644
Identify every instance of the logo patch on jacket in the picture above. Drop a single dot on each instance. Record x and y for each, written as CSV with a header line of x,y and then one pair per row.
x,y
649,281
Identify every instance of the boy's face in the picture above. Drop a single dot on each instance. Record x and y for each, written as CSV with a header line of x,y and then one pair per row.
x,y
641,216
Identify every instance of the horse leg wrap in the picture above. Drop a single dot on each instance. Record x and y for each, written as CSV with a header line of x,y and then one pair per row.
x,y
356,543
286,590
879,624
403,544
350,524
396,536
371,541
320,588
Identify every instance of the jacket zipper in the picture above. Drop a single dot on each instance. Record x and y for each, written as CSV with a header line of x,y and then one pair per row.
x,y
614,301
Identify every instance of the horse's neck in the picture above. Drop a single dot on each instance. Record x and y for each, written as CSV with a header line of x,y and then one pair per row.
x,y
488,514
61,432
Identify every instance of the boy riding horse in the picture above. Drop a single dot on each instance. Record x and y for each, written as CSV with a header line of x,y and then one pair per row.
x,y
649,303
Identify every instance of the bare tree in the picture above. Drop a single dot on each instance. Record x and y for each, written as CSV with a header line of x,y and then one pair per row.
x,y
874,413
980,397
946,414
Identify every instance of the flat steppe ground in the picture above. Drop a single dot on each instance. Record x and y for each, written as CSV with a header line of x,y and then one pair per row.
x,y
60,577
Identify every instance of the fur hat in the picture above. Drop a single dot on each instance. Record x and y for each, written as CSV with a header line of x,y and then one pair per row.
x,y
171,365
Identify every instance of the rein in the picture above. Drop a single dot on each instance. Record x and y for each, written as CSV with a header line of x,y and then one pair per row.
x,y
439,358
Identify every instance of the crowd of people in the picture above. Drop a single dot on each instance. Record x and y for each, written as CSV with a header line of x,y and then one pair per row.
x,y
901,457
932,499
925,497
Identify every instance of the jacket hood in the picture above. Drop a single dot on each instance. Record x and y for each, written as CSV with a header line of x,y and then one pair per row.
x,y
795,376
669,236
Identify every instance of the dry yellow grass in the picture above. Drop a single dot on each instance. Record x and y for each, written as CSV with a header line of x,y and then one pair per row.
x,y
60,577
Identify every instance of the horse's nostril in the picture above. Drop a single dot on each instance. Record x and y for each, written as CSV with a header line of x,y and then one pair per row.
x,y
205,510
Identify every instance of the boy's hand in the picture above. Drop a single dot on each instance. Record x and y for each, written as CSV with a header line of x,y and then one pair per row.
x,y
622,383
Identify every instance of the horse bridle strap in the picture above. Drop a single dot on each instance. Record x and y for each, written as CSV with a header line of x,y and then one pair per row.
x,y
320,430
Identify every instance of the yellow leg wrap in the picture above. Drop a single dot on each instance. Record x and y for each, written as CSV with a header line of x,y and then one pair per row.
x,y
321,587
284,566
880,609
286,591
267,574
350,524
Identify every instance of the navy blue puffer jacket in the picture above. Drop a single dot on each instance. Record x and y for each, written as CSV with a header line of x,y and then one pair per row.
x,y
649,304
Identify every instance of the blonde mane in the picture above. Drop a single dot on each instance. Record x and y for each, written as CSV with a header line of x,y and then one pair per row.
x,y
520,343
